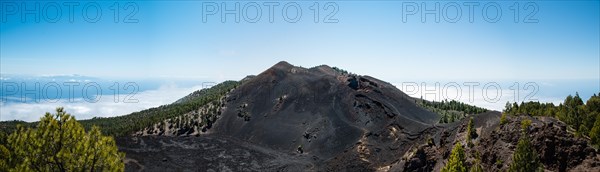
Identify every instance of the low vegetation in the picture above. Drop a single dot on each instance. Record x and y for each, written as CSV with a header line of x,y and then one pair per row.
x,y
341,71
122,125
451,111
582,118
126,124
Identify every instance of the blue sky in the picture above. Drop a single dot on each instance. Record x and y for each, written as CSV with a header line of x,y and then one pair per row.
x,y
369,38
170,40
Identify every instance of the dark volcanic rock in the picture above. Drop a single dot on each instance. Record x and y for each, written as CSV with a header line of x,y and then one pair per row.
x,y
424,159
325,112
558,149
291,118
206,153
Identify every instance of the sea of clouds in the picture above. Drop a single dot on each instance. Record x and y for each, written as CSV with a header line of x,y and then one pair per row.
x,y
489,95
104,107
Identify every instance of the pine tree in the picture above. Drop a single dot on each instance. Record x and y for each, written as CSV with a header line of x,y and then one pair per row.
x,y
4,152
595,133
471,132
582,131
456,162
577,100
593,104
507,107
515,108
59,143
525,158
525,124
503,119
476,164
444,118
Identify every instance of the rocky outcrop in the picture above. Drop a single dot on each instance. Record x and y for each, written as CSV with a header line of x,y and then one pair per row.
x,y
558,149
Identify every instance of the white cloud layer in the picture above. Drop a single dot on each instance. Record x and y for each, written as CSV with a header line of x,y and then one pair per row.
x,y
104,107
166,94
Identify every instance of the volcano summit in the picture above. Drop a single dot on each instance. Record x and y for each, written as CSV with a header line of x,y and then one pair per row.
x,y
323,118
